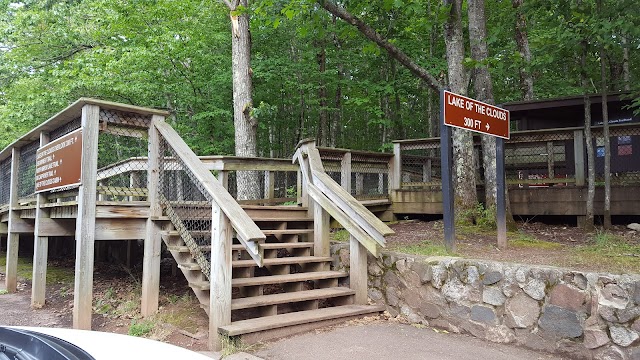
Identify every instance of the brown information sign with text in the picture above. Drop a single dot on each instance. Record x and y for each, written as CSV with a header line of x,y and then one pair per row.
x,y
59,163
465,113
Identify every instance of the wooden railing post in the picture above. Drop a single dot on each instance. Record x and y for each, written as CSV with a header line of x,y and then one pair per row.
x,y
358,271
395,168
153,240
40,247
86,220
220,278
345,172
269,184
578,155
13,239
223,177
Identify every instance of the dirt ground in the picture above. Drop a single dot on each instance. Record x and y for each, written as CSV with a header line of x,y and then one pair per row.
x,y
533,243
182,322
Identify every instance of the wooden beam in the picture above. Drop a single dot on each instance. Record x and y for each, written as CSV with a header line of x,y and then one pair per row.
x,y
13,239
358,271
86,220
153,240
269,184
121,229
220,277
40,247
21,226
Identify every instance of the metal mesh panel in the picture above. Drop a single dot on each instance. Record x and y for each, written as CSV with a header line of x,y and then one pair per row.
x,y
63,130
187,204
369,176
540,159
27,169
624,143
420,166
122,151
5,181
285,185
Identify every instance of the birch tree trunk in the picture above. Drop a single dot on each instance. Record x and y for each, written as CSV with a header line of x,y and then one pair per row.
x,y
248,183
626,75
588,138
466,196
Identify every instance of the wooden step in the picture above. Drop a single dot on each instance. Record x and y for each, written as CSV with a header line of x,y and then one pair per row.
x,y
279,279
288,231
274,299
185,249
190,266
275,279
275,246
284,219
296,318
283,261
275,207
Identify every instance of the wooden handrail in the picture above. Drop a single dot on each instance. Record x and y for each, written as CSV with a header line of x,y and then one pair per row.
x,y
347,210
247,230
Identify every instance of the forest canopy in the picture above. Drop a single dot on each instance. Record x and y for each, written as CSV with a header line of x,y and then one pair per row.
x,y
313,74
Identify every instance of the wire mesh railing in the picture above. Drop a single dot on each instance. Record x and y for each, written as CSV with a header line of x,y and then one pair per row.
x,y
122,151
27,170
187,204
5,181
368,172
537,158
272,186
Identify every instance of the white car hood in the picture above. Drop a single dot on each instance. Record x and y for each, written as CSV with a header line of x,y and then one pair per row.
x,y
109,346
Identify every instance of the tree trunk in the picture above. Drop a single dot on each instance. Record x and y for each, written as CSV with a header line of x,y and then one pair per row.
x,y
522,42
588,138
607,139
245,125
323,133
626,75
466,196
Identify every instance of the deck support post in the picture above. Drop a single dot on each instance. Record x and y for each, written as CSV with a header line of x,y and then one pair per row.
x,y
86,220
220,276
321,229
269,184
13,239
40,247
153,240
358,270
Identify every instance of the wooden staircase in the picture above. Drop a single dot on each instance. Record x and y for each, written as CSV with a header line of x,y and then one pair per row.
x,y
294,291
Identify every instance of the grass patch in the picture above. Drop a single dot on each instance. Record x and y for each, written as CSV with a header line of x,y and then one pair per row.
x,y
181,313
55,275
610,252
341,235
520,239
425,248
3,292
234,345
140,328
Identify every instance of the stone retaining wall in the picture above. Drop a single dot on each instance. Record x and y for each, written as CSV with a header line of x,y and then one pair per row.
x,y
579,314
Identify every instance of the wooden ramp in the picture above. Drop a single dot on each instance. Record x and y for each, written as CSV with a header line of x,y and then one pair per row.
x,y
294,291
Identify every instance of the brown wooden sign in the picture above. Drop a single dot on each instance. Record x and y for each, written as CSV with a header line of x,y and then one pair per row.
x,y
59,163
465,113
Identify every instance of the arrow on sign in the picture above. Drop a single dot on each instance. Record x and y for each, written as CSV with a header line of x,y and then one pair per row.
x,y
488,127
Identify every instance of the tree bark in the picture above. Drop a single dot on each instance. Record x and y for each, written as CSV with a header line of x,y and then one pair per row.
x,y
626,75
373,35
466,196
323,133
605,132
244,123
522,42
588,138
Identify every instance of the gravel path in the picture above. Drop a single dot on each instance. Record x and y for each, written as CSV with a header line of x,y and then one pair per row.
x,y
15,310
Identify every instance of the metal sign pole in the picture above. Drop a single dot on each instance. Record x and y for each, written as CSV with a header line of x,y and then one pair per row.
x,y
447,181
501,220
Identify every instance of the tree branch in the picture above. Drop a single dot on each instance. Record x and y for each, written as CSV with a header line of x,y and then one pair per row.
x,y
374,36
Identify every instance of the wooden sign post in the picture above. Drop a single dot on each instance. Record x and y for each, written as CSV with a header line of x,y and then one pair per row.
x,y
469,114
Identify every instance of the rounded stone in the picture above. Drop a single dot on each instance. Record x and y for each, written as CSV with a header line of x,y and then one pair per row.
x,y
560,322
521,311
535,288
493,296
622,336
614,296
483,314
492,277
